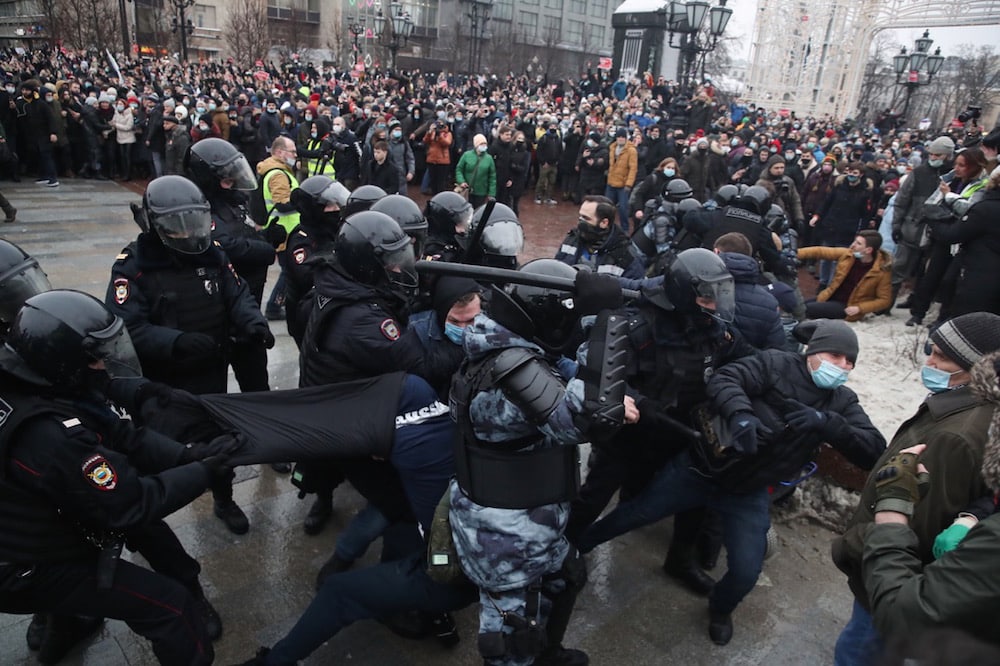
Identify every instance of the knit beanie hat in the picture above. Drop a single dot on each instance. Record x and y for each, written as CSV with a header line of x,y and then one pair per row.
x,y
828,335
447,291
942,145
967,338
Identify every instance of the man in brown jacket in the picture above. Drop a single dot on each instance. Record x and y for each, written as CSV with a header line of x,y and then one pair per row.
x,y
862,280
623,164
438,139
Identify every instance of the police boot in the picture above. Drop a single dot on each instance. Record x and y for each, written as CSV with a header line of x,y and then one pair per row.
x,y
232,515
334,565
282,467
258,659
207,614
444,629
319,514
560,656
63,633
683,569
36,631
720,627
414,625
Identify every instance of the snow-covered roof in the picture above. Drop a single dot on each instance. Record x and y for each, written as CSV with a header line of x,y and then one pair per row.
x,y
640,6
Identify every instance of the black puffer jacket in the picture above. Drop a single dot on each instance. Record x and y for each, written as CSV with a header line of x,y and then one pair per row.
x,y
770,384
757,317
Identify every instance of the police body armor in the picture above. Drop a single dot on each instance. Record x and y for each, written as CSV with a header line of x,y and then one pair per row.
x,y
519,473
236,220
32,529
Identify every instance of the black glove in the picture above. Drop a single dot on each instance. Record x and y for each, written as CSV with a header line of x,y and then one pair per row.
x,y
194,347
744,431
897,235
218,465
596,292
803,418
262,334
898,485
226,444
162,393
275,234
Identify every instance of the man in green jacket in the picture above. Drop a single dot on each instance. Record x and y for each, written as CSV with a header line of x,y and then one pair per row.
x,y
953,423
476,173
960,589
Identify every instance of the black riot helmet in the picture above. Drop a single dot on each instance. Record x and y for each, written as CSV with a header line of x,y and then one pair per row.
x,y
314,195
700,273
726,194
447,213
543,315
211,161
677,190
179,214
684,207
755,200
59,333
362,199
408,216
501,239
20,278
374,250
776,220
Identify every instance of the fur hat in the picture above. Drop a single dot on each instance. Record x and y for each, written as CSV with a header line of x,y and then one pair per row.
x,y
967,338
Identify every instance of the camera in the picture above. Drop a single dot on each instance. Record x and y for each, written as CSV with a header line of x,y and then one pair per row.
x,y
972,112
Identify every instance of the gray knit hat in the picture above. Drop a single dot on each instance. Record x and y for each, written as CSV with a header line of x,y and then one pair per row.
x,y
967,338
942,145
828,335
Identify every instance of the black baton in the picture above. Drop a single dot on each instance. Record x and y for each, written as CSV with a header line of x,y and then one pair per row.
x,y
491,274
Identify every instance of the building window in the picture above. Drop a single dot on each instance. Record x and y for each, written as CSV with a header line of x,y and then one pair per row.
x,y
204,17
574,32
599,8
527,26
554,4
595,35
578,7
503,10
551,29
423,13
529,2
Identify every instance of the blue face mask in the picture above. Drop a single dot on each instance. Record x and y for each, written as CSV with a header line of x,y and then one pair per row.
x,y
934,380
669,173
858,255
828,376
454,332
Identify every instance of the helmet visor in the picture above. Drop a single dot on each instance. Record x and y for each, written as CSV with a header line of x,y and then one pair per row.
x,y
187,231
334,194
718,297
505,239
400,266
239,172
114,347
18,285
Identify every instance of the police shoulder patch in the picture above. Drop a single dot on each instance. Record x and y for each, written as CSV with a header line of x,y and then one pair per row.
x,y
299,255
390,329
121,290
99,473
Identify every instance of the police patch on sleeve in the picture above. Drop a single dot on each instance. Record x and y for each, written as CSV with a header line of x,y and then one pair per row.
x,y
121,291
390,329
299,255
100,473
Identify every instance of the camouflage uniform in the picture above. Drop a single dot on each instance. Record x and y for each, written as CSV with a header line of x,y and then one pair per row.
x,y
507,551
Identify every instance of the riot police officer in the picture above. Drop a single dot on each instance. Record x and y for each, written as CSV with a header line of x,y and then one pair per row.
x,y
20,278
72,493
362,199
448,215
320,201
496,240
184,303
224,176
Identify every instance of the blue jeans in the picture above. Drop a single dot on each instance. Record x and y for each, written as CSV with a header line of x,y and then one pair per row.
x,y
363,594
676,488
619,197
366,526
859,643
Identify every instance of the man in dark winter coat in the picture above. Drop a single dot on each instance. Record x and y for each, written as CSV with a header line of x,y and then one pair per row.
x,y
772,411
757,316
599,243
704,170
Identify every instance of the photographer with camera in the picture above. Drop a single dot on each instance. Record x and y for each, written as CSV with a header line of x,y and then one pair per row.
x,y
318,151
438,141
786,194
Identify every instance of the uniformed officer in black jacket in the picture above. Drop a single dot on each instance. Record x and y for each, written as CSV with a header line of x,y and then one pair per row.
x,y
77,483
320,201
184,303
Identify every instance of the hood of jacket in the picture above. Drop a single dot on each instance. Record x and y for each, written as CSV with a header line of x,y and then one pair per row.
x,y
485,335
271,163
742,267
985,384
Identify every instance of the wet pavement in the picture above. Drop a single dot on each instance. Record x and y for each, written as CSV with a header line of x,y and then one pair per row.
x,y
630,613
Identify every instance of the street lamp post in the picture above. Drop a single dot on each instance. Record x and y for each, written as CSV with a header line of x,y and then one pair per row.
x,y
357,28
910,66
479,16
183,25
685,19
400,25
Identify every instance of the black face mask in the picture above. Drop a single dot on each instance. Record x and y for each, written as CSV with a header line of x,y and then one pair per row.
x,y
330,219
591,234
